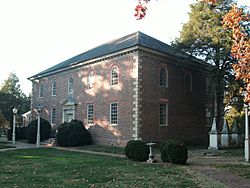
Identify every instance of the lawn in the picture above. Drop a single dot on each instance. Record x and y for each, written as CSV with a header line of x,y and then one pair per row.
x,y
4,144
104,149
54,168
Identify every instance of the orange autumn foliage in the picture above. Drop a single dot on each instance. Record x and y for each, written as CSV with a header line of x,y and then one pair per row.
x,y
140,9
209,1
241,45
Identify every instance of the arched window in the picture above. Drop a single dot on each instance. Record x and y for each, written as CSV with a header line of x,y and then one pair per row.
x,y
163,77
188,82
54,88
70,85
114,76
91,79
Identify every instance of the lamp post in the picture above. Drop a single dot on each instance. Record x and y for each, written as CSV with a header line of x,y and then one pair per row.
x,y
14,126
39,110
247,155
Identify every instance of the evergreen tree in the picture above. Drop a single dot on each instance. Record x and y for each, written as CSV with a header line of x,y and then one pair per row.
x,y
12,96
12,86
3,123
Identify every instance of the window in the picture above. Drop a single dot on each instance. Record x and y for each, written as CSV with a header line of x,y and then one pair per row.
x,y
91,80
70,85
113,113
163,77
90,113
163,114
54,88
68,115
53,116
114,76
188,82
208,117
41,91
208,86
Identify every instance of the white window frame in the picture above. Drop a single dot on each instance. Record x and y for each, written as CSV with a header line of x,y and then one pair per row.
x,y
114,80
67,109
166,77
110,113
51,116
71,85
90,116
41,91
164,115
54,88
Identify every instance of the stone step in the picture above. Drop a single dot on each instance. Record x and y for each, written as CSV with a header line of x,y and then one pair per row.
x,y
49,142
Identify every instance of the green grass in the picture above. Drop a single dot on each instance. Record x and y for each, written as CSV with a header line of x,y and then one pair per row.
x,y
105,149
55,168
4,145
242,170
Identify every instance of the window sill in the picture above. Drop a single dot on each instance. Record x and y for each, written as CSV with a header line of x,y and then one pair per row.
x,y
163,125
112,86
163,86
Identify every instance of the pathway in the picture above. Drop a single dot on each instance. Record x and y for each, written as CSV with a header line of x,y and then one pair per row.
x,y
205,165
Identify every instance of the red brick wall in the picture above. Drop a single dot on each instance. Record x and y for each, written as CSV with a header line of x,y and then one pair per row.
x,y
186,110
100,96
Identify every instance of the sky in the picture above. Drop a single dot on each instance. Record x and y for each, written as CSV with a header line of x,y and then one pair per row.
x,y
37,34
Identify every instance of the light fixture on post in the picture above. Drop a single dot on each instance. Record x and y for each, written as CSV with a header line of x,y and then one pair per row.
x,y
14,126
247,154
39,110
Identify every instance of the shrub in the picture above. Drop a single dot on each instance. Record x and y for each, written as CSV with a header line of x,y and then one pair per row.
x,y
45,130
164,150
61,136
78,132
174,151
21,133
137,150
73,134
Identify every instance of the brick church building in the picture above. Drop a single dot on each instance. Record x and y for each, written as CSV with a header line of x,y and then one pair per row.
x,y
134,87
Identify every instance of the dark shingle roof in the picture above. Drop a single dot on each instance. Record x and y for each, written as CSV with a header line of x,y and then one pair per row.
x,y
137,38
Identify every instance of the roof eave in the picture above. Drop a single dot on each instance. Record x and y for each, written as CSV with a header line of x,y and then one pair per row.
x,y
32,78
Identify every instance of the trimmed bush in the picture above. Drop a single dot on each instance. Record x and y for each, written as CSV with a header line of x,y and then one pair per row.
x,y
61,136
164,150
73,134
45,130
174,151
21,133
137,150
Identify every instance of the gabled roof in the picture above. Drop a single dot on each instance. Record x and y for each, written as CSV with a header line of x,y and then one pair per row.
x,y
134,39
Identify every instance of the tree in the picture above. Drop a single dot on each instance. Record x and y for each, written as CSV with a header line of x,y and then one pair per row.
x,y
12,86
12,96
240,48
7,103
239,22
3,123
203,36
